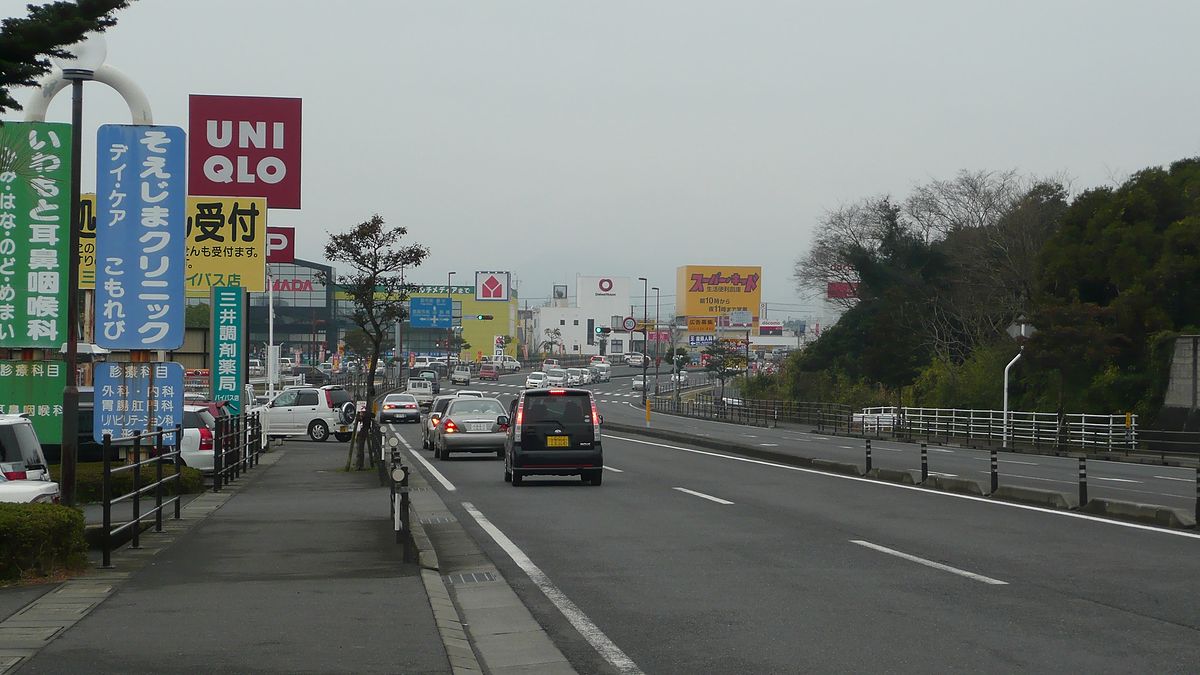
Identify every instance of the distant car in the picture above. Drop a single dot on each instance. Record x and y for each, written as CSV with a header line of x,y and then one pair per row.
x,y
422,390
401,407
681,377
638,384
326,367
535,379
635,359
507,363
603,372
313,376
431,375
461,375
549,364
556,377
554,432
489,371
471,425
596,358
256,368
468,393
24,474
436,410
575,377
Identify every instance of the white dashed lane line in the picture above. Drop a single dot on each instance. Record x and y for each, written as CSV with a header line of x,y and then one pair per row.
x,y
704,496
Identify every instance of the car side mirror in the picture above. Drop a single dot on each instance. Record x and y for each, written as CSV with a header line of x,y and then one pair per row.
x,y
502,420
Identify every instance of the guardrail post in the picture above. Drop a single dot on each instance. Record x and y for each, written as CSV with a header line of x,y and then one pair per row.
x,y
868,455
924,462
995,470
158,453
218,460
1083,496
137,487
1198,494
178,470
106,495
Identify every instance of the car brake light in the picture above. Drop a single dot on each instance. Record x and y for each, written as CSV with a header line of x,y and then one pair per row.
x,y
595,419
434,419
450,427
410,405
329,397
520,417
206,438
11,473
557,392
389,406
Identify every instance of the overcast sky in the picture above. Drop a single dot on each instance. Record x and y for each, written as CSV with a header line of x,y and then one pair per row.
x,y
627,137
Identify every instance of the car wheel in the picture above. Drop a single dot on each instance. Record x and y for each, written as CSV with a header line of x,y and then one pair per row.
x,y
424,442
516,478
318,431
343,436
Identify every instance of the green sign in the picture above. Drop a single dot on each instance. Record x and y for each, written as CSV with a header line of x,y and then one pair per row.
x,y
35,388
229,349
35,229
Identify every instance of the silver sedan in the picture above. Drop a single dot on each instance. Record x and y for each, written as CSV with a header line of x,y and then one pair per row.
x,y
471,425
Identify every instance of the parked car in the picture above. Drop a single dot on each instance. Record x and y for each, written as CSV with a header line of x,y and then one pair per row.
x,y
471,425
256,368
597,358
554,432
489,371
535,379
197,448
313,376
461,375
326,367
24,473
550,363
315,411
401,407
507,363
422,390
433,418
680,378
556,377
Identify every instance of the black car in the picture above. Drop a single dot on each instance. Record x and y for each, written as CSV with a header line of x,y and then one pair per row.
x,y
313,375
553,432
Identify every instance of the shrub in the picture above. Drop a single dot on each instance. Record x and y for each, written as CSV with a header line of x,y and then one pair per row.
x,y
40,539
89,477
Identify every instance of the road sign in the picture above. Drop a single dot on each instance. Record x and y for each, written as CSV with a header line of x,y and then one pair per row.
x,y
35,222
137,397
229,349
140,223
629,323
431,312
740,319
35,388
700,340
498,345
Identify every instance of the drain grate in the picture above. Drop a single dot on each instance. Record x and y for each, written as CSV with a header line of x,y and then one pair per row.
x,y
434,520
470,578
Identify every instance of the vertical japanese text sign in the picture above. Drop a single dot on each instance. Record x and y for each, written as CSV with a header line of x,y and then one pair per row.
x,y
35,388
137,397
35,214
228,323
140,228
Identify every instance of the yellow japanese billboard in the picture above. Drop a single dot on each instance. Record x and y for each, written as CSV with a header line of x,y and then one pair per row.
x,y
226,244
717,295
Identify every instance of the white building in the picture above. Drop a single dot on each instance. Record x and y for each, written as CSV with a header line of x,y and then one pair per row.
x,y
600,301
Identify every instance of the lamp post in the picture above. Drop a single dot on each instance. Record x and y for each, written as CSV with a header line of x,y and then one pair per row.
x,y
1019,330
450,331
645,333
657,296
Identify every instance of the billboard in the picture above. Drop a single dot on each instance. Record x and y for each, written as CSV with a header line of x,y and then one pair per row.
x,y
841,290
281,244
245,146
140,223
35,217
35,389
603,295
226,244
137,397
713,291
492,286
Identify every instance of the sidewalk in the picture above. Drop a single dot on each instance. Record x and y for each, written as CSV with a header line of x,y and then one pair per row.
x,y
297,572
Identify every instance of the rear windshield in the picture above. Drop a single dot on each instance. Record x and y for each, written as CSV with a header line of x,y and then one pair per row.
x,y
472,406
19,443
195,420
339,396
400,398
566,409
440,404
556,373
537,376
487,366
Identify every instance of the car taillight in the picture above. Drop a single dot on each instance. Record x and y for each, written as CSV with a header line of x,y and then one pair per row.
x,y
14,471
329,397
450,427
520,417
409,406
434,419
206,438
389,406
595,420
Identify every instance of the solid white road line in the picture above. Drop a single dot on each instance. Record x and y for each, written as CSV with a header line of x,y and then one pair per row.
x,y
1185,480
436,474
590,632
1115,480
704,496
925,491
612,469
930,563
939,473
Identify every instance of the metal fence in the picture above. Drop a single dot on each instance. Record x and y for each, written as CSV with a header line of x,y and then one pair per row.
x,y
156,453
987,427
237,447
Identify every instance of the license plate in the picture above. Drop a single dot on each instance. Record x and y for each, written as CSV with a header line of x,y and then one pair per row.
x,y
558,442
480,426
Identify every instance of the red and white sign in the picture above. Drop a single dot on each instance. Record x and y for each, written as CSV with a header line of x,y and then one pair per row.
x,y
281,244
491,286
605,285
245,146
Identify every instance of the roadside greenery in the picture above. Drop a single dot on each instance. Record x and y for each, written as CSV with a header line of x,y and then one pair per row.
x,y
38,540
1107,278
89,478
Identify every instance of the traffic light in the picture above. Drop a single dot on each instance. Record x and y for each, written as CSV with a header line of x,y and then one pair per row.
x,y
603,330
484,317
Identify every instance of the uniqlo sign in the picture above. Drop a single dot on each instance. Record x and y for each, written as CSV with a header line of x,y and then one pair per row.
x,y
245,146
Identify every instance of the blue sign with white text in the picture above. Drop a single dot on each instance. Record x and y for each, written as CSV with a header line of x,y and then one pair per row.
x,y
141,225
431,312
137,397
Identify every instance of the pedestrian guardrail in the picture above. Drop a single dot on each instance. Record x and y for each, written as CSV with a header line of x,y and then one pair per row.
x,y
238,446
1025,429
156,453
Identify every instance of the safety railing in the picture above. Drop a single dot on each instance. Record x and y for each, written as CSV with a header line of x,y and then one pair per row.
x,y
1024,429
157,449
706,407
237,447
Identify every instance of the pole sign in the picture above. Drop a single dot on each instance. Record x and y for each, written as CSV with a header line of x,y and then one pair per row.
x,y
498,345
35,388
140,223
245,146
226,244
87,241
137,397
431,312
281,244
35,217
701,340
229,350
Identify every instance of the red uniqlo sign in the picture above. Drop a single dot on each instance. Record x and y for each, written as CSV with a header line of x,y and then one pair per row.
x,y
245,146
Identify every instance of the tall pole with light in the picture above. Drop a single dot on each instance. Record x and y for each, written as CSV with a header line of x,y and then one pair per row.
x,y
645,332
1021,330
657,297
450,332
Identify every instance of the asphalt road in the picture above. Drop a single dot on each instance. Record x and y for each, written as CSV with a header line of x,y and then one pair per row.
x,y
1152,484
691,560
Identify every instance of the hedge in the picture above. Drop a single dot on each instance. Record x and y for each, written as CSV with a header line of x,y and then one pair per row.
x,y
40,539
89,477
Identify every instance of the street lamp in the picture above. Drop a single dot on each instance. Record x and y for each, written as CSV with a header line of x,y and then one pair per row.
x,y
1020,329
645,333
450,331
657,296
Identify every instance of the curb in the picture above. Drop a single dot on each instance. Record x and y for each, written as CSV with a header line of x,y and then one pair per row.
x,y
1144,513
902,476
957,485
1046,498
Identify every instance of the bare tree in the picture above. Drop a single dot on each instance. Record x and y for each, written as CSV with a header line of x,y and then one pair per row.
x,y
849,230
970,200
375,283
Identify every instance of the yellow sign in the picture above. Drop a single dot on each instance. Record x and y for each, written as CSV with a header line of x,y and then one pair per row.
x,y
226,244
712,292
701,325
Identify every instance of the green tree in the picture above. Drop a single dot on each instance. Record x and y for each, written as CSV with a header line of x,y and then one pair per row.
x,y
197,316
724,359
27,43
375,284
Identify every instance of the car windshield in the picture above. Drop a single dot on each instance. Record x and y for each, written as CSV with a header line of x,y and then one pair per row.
x,y
537,376
19,443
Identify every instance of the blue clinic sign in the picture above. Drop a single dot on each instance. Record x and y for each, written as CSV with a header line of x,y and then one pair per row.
x,y
137,397
141,199
431,312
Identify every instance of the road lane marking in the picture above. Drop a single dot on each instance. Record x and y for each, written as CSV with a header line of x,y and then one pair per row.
x,y
940,450
930,563
704,496
922,490
436,474
1116,480
846,447
612,469
1005,461
1185,480
939,473
590,632
769,445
